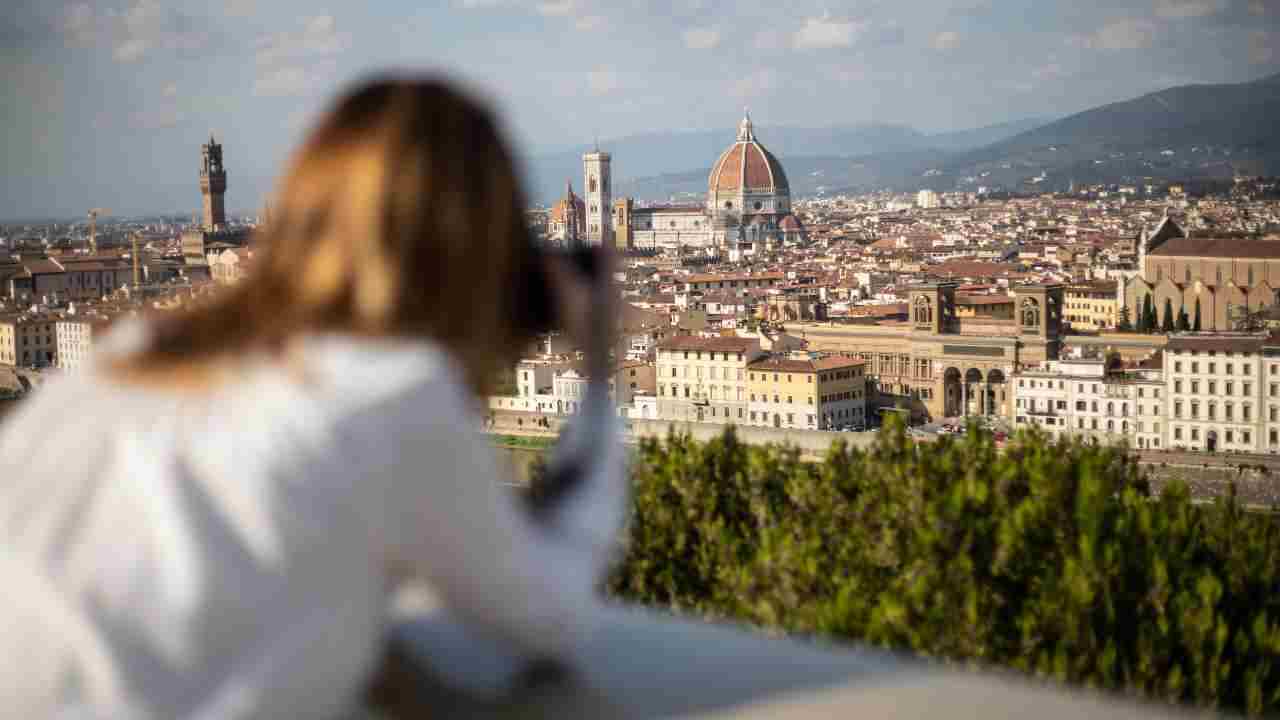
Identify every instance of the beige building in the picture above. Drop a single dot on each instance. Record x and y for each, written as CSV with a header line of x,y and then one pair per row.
x,y
27,339
703,379
937,364
1093,306
1212,278
231,265
809,394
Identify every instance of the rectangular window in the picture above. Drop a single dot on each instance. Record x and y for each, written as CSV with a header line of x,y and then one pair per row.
x,y
1247,389
1230,368
1177,386
1177,433
1195,433
1246,437
1177,366
1246,413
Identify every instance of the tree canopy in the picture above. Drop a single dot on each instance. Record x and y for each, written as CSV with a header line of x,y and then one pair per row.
x,y
1051,558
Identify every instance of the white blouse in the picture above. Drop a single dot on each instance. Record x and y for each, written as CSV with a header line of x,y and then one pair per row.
x,y
230,552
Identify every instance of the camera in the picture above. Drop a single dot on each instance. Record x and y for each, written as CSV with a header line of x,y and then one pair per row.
x,y
535,307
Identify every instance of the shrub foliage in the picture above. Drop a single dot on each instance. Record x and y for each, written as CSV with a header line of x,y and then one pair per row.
x,y
1049,557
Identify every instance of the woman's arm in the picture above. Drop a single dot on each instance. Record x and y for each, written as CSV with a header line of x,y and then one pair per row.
x,y
450,520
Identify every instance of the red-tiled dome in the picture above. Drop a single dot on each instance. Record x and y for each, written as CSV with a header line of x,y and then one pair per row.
x,y
746,166
791,223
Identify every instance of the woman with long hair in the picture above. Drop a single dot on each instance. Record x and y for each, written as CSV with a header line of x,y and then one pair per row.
x,y
209,521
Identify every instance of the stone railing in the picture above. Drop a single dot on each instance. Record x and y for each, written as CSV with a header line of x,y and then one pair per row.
x,y
644,664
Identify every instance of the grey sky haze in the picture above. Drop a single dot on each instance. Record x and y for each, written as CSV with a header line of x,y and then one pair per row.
x,y
106,103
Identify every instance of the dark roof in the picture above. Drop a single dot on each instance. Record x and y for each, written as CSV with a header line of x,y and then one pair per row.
x,y
723,344
1220,248
1215,344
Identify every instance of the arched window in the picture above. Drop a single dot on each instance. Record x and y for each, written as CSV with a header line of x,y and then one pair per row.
x,y
1030,313
924,310
1187,275
1250,275
1219,275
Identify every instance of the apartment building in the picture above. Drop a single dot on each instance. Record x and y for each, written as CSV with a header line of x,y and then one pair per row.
x,y
1088,399
703,379
1216,387
27,339
806,393
1092,306
75,336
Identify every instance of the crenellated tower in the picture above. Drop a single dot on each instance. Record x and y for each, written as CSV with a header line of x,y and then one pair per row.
x,y
213,185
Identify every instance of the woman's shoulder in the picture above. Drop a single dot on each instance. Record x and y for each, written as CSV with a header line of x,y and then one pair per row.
x,y
368,371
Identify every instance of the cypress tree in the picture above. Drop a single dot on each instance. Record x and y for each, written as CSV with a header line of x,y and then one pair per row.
x,y
1125,325
1196,325
1184,322
1148,315
1167,324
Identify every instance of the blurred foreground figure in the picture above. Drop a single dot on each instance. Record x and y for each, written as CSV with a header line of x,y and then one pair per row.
x,y
208,523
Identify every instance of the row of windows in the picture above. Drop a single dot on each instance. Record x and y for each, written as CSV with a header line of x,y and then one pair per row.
x,y
1227,368
1093,387
765,398
711,355
1228,411
714,392
839,397
713,372
1228,388
1228,436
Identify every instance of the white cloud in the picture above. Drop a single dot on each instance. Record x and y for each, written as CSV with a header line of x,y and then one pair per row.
x,y
769,40
1188,8
557,8
1262,47
1257,7
824,33
701,38
130,50
170,90
79,25
754,84
1129,34
946,40
587,23
602,81
132,34
319,37
294,80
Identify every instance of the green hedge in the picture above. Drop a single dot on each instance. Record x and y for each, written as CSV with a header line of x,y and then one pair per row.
x,y
1050,558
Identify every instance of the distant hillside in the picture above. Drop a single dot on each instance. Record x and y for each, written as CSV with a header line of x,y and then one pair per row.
x,y
1192,132
1187,131
655,166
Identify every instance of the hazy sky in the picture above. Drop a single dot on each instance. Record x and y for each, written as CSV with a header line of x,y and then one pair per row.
x,y
106,103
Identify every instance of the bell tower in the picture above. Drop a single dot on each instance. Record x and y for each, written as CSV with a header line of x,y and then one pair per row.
x,y
213,185
932,308
599,197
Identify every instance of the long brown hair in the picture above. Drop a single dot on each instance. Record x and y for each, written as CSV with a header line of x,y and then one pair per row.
x,y
401,214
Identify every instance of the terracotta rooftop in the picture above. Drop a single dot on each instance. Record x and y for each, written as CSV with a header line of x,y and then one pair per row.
x,y
1219,248
1215,344
803,366
717,344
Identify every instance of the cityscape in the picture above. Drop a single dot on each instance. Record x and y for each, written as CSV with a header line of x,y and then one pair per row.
x,y
949,330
